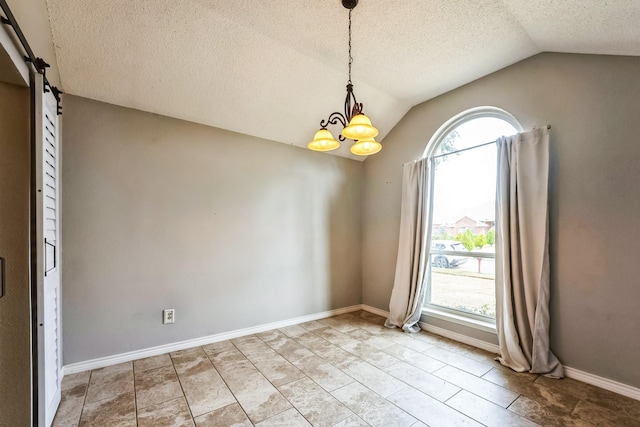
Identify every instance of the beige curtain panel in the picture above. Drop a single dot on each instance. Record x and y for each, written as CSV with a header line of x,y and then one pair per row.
x,y
409,285
522,254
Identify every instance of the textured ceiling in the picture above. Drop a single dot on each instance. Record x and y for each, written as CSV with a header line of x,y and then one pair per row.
x,y
274,68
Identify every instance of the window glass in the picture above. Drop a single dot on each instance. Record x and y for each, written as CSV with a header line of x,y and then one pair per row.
x,y
462,273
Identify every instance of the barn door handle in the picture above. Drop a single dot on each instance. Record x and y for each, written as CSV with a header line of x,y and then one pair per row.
x,y
45,256
2,277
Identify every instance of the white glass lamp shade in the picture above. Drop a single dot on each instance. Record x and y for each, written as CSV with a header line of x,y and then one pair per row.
x,y
365,147
323,141
359,128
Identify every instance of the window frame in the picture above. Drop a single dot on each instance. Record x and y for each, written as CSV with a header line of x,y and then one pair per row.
x,y
471,320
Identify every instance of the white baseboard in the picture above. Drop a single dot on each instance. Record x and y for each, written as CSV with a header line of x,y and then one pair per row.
x,y
181,345
374,310
493,348
569,372
605,383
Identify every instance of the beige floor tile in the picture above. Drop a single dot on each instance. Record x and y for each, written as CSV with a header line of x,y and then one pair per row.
x,y
270,335
118,411
76,392
152,362
261,401
218,347
228,416
478,386
312,341
324,374
378,341
323,348
276,368
406,340
205,391
622,404
445,343
289,349
191,361
257,396
156,386
352,421
544,414
293,331
482,356
429,410
459,361
371,355
174,413
372,377
109,371
486,412
371,317
74,380
336,372
318,406
354,318
377,329
601,416
313,325
427,383
339,324
252,346
547,397
109,382
566,385
68,414
513,380
415,358
372,408
290,417
360,335
334,336
231,360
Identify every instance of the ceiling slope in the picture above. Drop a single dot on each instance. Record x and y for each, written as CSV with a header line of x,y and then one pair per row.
x,y
274,69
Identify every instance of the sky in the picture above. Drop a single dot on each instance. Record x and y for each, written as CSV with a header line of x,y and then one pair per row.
x,y
465,183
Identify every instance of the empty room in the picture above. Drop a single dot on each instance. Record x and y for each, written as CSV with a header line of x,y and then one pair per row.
x,y
319,213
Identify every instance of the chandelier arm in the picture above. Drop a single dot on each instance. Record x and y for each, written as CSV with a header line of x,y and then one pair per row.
x,y
351,104
334,119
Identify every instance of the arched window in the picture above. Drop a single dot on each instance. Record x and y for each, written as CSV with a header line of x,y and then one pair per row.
x,y
461,281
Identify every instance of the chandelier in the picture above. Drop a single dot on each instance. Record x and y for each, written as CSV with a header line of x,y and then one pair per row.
x,y
355,125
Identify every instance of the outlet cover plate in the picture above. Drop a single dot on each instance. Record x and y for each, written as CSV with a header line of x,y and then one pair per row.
x,y
168,315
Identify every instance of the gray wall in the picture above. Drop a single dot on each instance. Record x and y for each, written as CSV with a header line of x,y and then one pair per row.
x,y
230,230
593,104
15,311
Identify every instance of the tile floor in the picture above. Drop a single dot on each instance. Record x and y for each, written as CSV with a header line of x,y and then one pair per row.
x,y
346,370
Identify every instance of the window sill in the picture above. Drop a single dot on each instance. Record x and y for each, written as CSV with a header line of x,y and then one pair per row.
x,y
480,325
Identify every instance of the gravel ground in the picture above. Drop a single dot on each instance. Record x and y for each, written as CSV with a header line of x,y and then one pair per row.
x,y
453,288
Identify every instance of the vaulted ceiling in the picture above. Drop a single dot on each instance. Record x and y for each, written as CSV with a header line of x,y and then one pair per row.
x,y
274,68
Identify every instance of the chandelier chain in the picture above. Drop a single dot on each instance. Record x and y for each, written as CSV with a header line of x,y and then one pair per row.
x,y
350,57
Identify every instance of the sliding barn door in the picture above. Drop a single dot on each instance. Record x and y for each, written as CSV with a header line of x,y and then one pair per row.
x,y
47,247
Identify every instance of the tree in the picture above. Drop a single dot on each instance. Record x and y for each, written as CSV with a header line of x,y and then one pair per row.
x,y
467,239
491,237
447,146
480,241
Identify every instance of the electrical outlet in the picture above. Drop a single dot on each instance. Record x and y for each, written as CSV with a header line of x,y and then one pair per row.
x,y
168,315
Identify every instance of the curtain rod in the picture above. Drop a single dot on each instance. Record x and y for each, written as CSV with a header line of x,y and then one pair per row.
x,y
470,148
39,63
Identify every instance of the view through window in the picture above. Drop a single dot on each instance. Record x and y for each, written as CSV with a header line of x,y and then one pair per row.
x,y
462,248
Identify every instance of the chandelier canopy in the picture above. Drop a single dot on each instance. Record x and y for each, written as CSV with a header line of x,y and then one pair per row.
x,y
355,124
